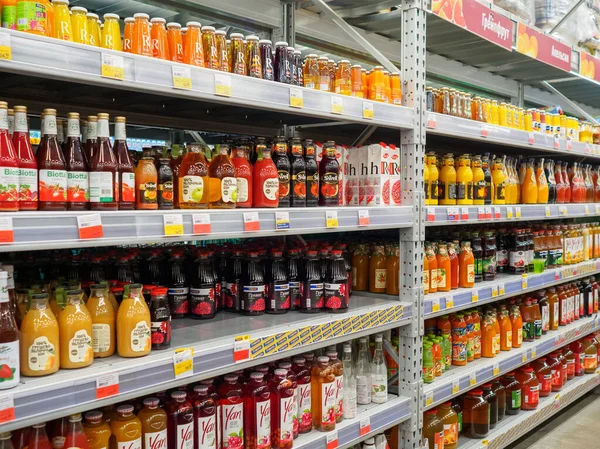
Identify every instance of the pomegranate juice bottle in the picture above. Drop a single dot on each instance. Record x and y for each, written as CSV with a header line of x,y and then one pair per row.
x,y
336,284
205,418
202,293
233,282
302,370
232,413
178,289
180,422
279,287
292,376
312,288
257,412
282,409
253,296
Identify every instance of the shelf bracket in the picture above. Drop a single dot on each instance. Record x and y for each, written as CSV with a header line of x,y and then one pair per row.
x,y
566,16
368,132
551,88
349,29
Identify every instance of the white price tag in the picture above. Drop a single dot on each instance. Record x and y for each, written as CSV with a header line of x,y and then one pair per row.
x,y
497,213
201,223
488,213
430,214
7,234
332,440
337,104
182,77
90,226
331,219
296,97
453,214
464,213
365,426
363,218
282,220
107,385
481,213
222,84
251,222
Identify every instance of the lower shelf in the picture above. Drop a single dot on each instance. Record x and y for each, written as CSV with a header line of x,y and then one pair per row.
x,y
513,427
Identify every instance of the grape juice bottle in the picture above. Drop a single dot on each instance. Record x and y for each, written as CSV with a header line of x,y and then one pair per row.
x,y
205,418
232,413
180,422
253,296
257,412
202,293
302,370
312,290
282,407
278,287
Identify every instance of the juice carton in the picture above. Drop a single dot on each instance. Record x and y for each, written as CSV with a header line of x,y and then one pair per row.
x,y
362,169
378,184
395,190
352,176
341,156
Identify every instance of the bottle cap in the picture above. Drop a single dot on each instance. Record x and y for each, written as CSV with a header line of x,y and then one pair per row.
x,y
281,372
158,20
151,402
257,376
179,395
111,16
125,409
94,415
141,15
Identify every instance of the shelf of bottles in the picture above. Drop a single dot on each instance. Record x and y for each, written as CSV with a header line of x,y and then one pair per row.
x,y
513,427
504,286
460,379
67,61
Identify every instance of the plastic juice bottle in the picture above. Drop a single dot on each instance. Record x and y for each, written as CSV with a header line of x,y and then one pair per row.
x,y
464,180
103,316
444,269
111,36
560,186
180,422
231,400
488,334
193,52
96,430
529,189
126,428
243,175
133,324
9,14
466,262
428,363
93,29
323,395
265,178
282,405
75,325
470,336
505,329
36,17
28,173
222,183
158,36
146,181
141,43
459,340
193,179
154,424
479,183
454,265
75,437
447,182
500,181
77,169
433,267
175,41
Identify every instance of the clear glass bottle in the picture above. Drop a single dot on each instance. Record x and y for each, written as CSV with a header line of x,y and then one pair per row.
x,y
349,383
378,373
363,373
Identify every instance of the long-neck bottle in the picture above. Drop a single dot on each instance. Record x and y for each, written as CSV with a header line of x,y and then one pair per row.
x,y
192,179
180,422
313,295
336,285
312,174
253,295
52,167
28,174
104,189
231,401
298,174
178,286
265,177
349,383
202,293
78,186
363,373
126,167
9,339
378,373
279,288
91,137
552,185
282,162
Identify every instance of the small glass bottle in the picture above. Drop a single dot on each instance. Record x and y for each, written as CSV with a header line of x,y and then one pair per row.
x,y
378,373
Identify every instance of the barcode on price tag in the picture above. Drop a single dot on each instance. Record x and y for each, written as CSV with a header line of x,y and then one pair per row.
x,y
368,111
282,220
90,226
363,218
251,222
107,385
113,66
241,348
222,85
331,219
7,234
183,362
365,426
7,408
337,104
296,97
173,224
5,47
182,77
332,440
201,223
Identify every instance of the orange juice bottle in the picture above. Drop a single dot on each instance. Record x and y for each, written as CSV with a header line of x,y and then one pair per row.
x,y
517,326
175,41
426,280
140,39
356,78
146,181
459,340
396,88
343,81
62,20
193,52
476,333
111,36
444,268
103,321
466,264
39,343
93,29
432,264
128,34
470,336
447,181
96,430
500,181
36,17
505,330
75,326
464,181
154,424
377,86
542,182
79,24
496,323
133,324
529,188
126,429
387,86
488,334
222,183
365,83
158,35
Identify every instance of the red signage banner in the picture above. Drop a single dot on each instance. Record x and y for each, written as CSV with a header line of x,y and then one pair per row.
x,y
589,66
476,18
544,48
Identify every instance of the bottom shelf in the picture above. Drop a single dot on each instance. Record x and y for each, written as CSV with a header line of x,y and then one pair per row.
x,y
378,417
514,427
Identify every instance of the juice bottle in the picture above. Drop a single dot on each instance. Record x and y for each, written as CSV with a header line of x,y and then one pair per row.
x,y
175,41
459,340
312,300
464,180
205,417
178,286
180,422
426,185
312,174
265,178
505,329
323,395
222,183
9,338
36,17
203,301
278,297
377,270
111,35
492,400
126,428
79,24
476,414
161,319
9,168
512,388
62,20
125,166
9,15
447,181
231,400
282,163
542,183
529,189
103,316
28,173
329,174
433,429
303,376
544,374
336,284
154,424
146,181
432,265
488,335
434,184
77,169
165,184
243,175
254,291
298,174
140,38
443,268
209,47
193,53
282,405
75,326
90,132
93,29
128,34
500,182
193,179
158,37
212,391
530,388
338,371
257,412
75,437
392,267
449,418
38,438
103,168
466,262
96,430
133,324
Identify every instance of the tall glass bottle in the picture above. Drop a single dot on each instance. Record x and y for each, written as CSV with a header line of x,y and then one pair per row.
x,y
154,424
9,338
329,175
253,281
205,418
336,286
350,384
222,184
104,171
9,167
312,174
298,174
126,168
91,137
313,295
257,412
265,177
38,438
231,400
243,174
78,186
75,436
52,166
363,373
282,163
28,173
378,373
180,422
282,404
192,191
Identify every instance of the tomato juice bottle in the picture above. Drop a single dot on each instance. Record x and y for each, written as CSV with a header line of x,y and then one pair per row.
x,y
323,395
257,412
282,407
265,177
192,191
312,174
205,418
38,438
253,281
282,163
180,422
312,285
304,415
78,185
154,424
329,173
125,166
28,173
232,413
243,174
91,138
75,436
104,171
278,286
298,174
222,184
203,303
52,167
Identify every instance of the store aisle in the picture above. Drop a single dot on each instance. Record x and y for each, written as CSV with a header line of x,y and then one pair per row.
x,y
569,429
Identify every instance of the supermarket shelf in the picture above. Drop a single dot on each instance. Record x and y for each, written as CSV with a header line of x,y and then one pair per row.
x,y
49,230
39,58
504,286
381,417
462,378
271,337
513,427
460,128
443,215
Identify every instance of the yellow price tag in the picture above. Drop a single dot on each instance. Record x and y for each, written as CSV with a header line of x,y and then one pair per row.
x,y
173,224
547,209
523,281
474,297
435,306
183,362
472,379
368,111
509,212
449,303
428,399
501,289
331,219
5,53
587,209
455,386
523,358
518,212
484,443
296,97
113,66
494,291
496,369
222,85
182,77
533,353
337,105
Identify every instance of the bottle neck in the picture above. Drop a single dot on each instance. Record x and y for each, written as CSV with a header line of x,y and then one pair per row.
x,y
103,130
92,131
120,133
49,126
21,122
73,130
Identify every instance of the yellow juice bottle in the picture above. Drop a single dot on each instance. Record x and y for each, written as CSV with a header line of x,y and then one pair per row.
x,y
479,185
500,181
464,181
111,35
75,325
133,323
434,187
426,182
62,21
495,113
96,430
36,17
39,342
448,181
93,29
542,182
79,24
103,316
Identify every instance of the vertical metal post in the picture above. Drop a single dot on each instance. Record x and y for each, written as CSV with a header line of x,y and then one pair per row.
x,y
287,32
411,241
521,96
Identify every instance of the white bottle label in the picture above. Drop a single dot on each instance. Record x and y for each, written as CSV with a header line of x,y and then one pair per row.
x,y
192,189
185,436
207,432
229,190
328,391
339,394
80,347
242,190
127,187
363,389
156,440
41,354
9,364
100,337
271,188
349,402
263,424
140,337
380,276
379,390
101,187
135,444
286,419
73,128
233,423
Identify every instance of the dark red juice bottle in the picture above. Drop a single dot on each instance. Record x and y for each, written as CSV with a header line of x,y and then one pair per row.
x,y
329,172
233,282
253,281
212,391
104,175
202,292
294,264
75,436
180,422
336,284
160,319
232,413
257,412
278,286
125,167
312,174
28,173
298,173
52,167
282,409
282,163
38,439
312,285
91,138
178,288
304,415
291,374
218,277
205,418
78,184
243,174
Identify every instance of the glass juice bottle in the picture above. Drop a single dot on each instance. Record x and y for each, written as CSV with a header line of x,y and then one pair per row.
x,y
126,167
154,424
126,428
231,401
313,289
203,303
282,404
52,166
91,138
323,395
329,174
312,174
243,174
222,184
146,182
257,413
161,319
253,281
178,286
265,177
9,338
75,436
303,376
104,171
338,371
38,438
282,163
133,324
103,316
278,300
336,286
75,331
378,373
180,422
96,430
193,179
9,166
28,173
205,418
78,184
298,174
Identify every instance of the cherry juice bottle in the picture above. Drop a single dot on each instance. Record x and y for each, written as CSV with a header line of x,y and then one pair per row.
x,y
180,422
232,413
253,296
336,284
205,418
312,290
202,293
282,409
302,370
233,282
279,288
257,412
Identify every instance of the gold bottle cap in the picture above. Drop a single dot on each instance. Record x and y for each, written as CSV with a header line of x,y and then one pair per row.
x,y
19,109
73,115
103,116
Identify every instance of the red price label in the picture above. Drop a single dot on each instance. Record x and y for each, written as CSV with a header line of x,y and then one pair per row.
x,y
251,222
107,386
241,348
7,234
201,223
332,440
90,226
365,426
7,409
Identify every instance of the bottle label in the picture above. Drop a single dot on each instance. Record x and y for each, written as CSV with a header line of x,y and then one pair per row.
x,y
155,440
9,17
231,296
501,191
433,278
546,383
379,389
328,391
313,296
135,444
312,188
140,337
41,354
207,432
233,426
480,190
28,184
185,436
161,331
363,389
32,16
279,297
531,395
590,361
165,193
380,276
263,424
53,185
425,279
286,420
470,273
350,408
336,296
450,433
517,260
271,188
178,300
100,337
202,301
127,187
339,396
9,184
253,298
545,318
442,277
299,185
148,192
330,185
192,189
305,407
242,190
502,258
229,190
58,442
295,293
101,187
516,399
9,364
459,345
78,187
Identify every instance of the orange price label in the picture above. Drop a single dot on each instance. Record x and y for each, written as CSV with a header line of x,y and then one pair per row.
x,y
363,218
251,222
90,226
7,234
107,385
7,409
241,348
365,426
332,440
201,223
